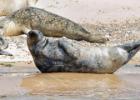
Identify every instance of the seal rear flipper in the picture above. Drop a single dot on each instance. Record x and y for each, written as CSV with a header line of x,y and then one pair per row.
x,y
132,48
97,38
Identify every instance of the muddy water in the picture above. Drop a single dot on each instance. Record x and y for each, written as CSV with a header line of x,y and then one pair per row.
x,y
79,85
30,85
87,85
70,84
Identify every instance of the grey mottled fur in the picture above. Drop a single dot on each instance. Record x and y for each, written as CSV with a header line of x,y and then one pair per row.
x,y
65,55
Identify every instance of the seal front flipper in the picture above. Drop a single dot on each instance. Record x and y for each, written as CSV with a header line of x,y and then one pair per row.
x,y
69,47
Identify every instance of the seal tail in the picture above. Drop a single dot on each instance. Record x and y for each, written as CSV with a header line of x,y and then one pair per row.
x,y
132,48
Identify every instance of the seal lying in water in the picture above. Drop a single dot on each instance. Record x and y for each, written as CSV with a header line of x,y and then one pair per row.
x,y
50,24
65,55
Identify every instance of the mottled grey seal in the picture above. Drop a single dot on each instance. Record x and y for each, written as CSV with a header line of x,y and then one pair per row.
x,y
65,55
50,24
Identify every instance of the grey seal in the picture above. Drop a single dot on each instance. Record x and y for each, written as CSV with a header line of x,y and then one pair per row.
x,y
66,55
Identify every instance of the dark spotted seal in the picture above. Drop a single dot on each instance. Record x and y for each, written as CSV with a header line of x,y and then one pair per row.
x,y
65,55
50,24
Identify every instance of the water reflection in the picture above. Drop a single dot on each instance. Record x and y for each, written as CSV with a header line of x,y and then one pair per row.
x,y
74,84
81,85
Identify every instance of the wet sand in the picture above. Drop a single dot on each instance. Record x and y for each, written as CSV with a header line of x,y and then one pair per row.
x,y
23,81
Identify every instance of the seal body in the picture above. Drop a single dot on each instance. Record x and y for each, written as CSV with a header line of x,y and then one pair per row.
x,y
65,55
51,25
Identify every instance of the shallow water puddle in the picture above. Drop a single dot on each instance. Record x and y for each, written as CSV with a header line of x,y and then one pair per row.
x,y
81,85
76,84
71,84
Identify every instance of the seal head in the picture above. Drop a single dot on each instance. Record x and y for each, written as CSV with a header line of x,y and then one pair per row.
x,y
34,36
